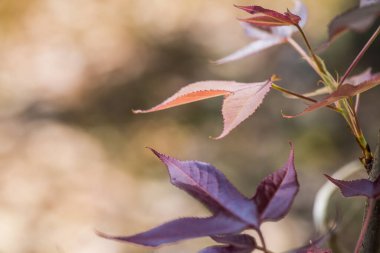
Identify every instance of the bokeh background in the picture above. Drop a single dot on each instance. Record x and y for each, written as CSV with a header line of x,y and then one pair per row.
x,y
72,156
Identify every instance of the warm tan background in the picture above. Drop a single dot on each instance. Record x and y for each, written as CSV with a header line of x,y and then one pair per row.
x,y
72,155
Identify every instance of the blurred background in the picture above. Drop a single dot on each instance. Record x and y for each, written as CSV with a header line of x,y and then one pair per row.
x,y
72,156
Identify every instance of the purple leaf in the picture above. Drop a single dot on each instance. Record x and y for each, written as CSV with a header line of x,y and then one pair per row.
x,y
240,241
181,229
276,192
360,187
314,244
211,187
237,244
225,249
357,19
232,212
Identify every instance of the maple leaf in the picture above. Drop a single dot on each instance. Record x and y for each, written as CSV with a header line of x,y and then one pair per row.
x,y
360,187
207,184
266,38
231,211
275,194
346,90
357,19
240,99
266,17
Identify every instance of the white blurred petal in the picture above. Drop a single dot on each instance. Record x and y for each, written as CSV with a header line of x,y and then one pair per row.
x,y
252,48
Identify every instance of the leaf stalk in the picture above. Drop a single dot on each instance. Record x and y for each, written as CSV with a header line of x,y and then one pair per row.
x,y
286,91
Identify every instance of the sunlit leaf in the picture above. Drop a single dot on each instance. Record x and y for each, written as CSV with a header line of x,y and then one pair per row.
x,y
240,99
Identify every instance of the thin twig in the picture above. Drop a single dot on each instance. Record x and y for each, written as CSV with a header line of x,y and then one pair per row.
x,y
357,102
302,52
316,61
286,91
360,55
262,241
367,219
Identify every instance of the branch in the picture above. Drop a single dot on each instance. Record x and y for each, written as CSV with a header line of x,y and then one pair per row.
x,y
371,240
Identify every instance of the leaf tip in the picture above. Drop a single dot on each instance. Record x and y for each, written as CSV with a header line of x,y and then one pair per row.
x,y
329,178
137,111
291,146
286,116
101,234
215,62
275,78
158,154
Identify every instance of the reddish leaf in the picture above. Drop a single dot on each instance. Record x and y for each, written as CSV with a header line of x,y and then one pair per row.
x,y
357,19
343,91
276,192
266,38
360,78
241,99
181,229
267,17
360,187
211,187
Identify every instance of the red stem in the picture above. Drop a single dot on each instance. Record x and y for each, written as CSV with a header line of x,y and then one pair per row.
x,y
360,55
368,216
262,240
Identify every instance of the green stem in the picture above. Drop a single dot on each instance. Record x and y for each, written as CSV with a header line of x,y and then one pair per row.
x,y
286,91
311,52
352,120
343,106
302,52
